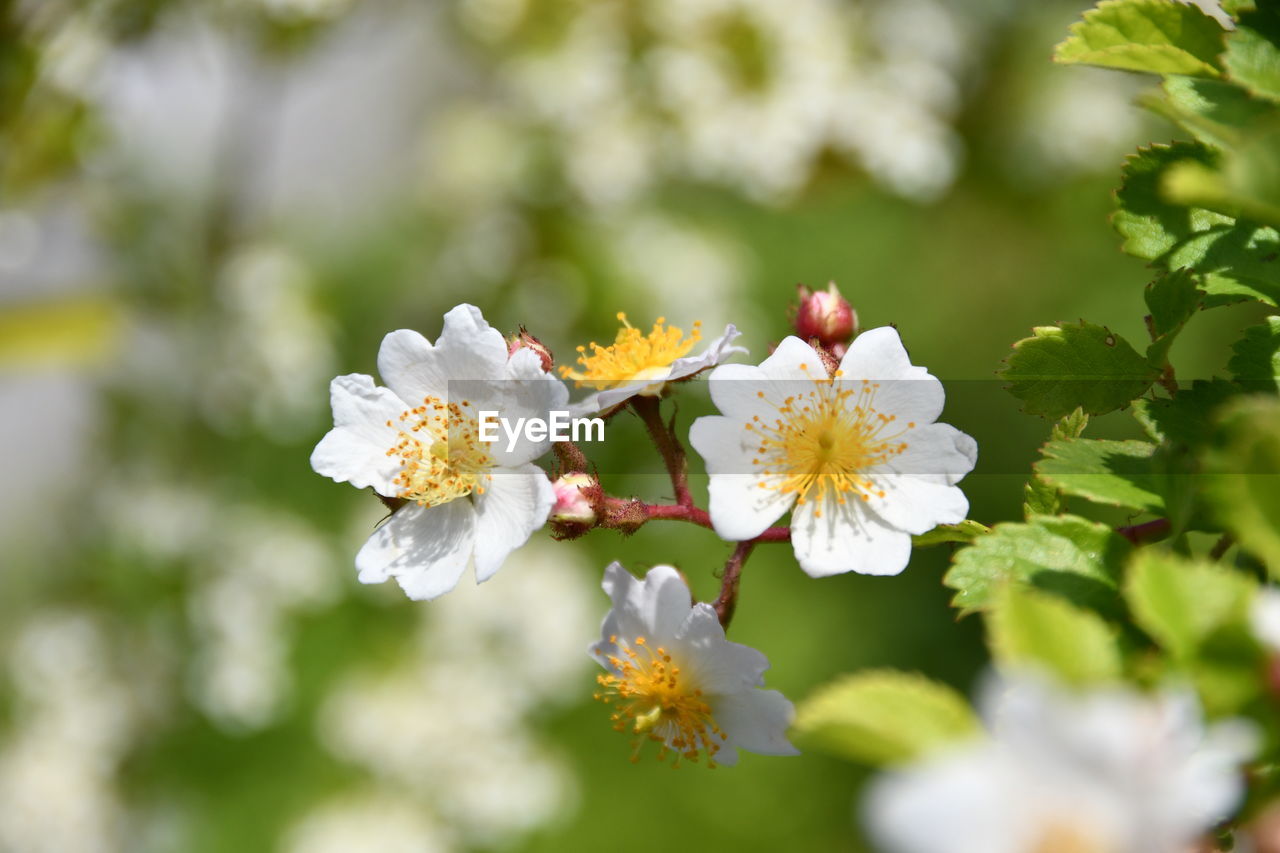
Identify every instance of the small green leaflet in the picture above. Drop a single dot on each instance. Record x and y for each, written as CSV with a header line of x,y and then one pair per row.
x,y
1145,35
1029,627
1180,602
1109,472
1061,368
883,717
1255,362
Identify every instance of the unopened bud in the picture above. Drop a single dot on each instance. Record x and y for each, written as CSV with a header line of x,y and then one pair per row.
x,y
524,340
825,316
573,499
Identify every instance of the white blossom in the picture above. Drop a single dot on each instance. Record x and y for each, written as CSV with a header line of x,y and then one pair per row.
x,y
469,501
673,678
1103,771
857,454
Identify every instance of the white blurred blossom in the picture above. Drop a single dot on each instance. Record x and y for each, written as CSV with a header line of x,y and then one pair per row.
x,y
448,723
379,821
1100,770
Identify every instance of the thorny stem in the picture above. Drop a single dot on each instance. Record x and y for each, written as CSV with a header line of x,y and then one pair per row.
x,y
1148,531
570,456
700,517
1221,546
727,601
664,437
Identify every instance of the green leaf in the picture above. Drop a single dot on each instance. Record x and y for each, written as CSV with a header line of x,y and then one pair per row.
x,y
1145,35
1109,472
965,531
1027,627
1252,55
1061,368
1256,359
1172,299
1243,476
1067,555
883,717
1180,602
1215,112
1182,419
1234,260
1040,498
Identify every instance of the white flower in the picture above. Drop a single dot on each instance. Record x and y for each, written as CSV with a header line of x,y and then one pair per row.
x,y
639,364
674,678
1107,771
858,454
469,501
1264,616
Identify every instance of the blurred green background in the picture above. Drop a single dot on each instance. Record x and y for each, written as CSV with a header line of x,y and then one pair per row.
x,y
209,209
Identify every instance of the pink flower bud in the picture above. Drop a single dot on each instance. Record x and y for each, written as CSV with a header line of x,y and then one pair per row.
x,y
573,499
524,340
825,315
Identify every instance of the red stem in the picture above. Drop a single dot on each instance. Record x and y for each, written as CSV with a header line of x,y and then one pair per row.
x,y
1148,531
668,445
700,517
727,601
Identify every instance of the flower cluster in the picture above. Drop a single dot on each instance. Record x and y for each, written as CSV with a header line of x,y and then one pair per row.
x,y
838,430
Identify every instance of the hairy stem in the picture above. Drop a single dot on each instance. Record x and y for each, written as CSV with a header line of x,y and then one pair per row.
x,y
727,601
664,437
1148,531
700,517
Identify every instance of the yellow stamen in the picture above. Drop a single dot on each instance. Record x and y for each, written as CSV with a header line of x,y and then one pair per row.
x,y
825,441
633,355
655,700
443,457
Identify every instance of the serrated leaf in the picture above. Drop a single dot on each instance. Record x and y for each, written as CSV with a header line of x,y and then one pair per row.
x,y
883,717
1242,479
1110,472
1027,627
1215,112
1252,55
1181,602
1172,299
1071,556
1255,362
1182,419
1040,498
1235,261
965,531
1061,368
1145,35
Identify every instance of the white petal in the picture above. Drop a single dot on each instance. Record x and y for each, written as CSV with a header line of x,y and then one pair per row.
x,y
515,398
906,391
468,348
846,539
915,505
756,720
740,507
716,352
936,453
355,450
715,664
653,608
793,359
426,549
514,504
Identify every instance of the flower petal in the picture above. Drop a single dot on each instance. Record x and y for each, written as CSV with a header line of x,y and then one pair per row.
x,y
514,504
740,507
756,720
468,348
908,392
653,608
519,396
846,538
914,505
714,663
355,450
426,549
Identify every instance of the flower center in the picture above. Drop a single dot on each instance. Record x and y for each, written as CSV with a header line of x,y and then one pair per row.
x,y
824,441
439,444
1061,836
633,355
656,700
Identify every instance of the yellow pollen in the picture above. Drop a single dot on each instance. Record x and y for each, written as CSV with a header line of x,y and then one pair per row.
x,y
633,355
654,700
442,454
824,443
